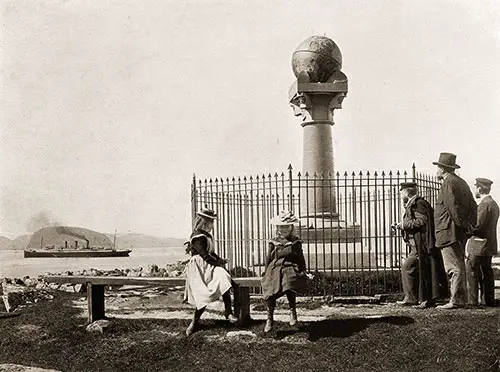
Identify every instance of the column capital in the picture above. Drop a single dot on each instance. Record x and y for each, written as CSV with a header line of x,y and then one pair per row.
x,y
316,107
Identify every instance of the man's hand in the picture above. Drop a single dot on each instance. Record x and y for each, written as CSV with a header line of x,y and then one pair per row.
x,y
396,226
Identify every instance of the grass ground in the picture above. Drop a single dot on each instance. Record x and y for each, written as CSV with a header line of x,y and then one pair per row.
x,y
51,334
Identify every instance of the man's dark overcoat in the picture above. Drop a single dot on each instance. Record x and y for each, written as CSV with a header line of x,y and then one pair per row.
x,y
455,211
418,227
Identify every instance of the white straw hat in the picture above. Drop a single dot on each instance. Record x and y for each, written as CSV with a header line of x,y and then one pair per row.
x,y
284,218
207,213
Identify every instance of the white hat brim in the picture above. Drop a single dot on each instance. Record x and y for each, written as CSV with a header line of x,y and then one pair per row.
x,y
277,222
206,215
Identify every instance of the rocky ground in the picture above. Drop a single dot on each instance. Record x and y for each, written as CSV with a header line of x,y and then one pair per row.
x,y
45,329
145,332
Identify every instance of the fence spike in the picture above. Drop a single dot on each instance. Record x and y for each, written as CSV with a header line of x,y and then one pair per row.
x,y
276,175
375,174
368,173
383,174
299,175
306,174
397,173
390,173
361,173
353,174
290,167
345,174
269,176
244,178
282,174
405,174
210,181
337,174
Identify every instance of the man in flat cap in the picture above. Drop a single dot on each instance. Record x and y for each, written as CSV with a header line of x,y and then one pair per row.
x,y
454,217
422,273
482,246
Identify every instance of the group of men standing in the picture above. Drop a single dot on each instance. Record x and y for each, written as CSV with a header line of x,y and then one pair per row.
x,y
451,245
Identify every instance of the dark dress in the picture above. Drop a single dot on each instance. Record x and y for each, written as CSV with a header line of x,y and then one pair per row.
x,y
285,268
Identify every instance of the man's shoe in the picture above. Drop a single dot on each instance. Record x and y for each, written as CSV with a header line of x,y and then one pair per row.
x,y
232,319
406,303
269,326
449,306
425,305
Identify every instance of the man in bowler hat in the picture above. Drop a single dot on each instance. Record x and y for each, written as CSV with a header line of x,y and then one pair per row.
x,y
482,246
422,273
454,218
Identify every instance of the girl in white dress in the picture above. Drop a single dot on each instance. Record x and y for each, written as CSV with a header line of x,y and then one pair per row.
x,y
207,280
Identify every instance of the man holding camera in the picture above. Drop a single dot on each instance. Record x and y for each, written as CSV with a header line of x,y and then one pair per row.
x,y
422,273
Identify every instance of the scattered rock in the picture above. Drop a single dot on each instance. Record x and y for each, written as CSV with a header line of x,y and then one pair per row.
x,y
21,368
99,326
78,288
238,334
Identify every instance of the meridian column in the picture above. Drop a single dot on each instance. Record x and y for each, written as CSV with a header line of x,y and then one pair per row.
x,y
319,89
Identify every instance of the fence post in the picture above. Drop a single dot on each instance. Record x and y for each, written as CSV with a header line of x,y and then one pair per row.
x,y
194,199
290,188
413,173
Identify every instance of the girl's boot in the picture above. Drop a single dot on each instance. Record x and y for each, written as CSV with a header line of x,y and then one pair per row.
x,y
195,322
270,314
292,302
226,297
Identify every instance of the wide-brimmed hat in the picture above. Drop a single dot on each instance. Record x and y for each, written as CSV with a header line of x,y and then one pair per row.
x,y
447,160
483,182
207,213
284,218
407,185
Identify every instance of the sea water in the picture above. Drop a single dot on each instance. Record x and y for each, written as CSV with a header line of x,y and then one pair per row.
x,y
14,265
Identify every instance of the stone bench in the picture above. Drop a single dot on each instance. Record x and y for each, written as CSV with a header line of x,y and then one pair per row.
x,y
96,285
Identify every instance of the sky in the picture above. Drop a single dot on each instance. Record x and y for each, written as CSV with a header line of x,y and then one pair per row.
x,y
108,108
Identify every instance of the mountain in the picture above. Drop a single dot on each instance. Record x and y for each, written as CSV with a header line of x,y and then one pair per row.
x,y
52,237
21,242
144,241
5,243
68,237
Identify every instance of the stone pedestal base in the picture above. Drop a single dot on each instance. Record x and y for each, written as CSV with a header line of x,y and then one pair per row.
x,y
333,244
328,230
336,256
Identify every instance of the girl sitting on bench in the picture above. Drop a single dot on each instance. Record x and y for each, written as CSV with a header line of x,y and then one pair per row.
x,y
207,280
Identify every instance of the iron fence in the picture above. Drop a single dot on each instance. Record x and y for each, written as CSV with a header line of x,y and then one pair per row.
x,y
350,239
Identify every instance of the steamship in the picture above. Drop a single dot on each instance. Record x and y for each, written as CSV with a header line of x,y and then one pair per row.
x,y
76,251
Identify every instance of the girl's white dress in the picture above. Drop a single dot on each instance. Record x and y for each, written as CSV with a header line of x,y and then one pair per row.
x,y
205,283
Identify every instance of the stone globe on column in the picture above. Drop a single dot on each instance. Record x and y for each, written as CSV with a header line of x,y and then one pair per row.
x,y
316,59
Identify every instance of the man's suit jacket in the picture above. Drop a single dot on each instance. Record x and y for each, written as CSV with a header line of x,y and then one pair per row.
x,y
418,223
455,211
484,240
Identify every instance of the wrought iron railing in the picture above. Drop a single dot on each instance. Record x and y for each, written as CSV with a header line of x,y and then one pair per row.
x,y
353,240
